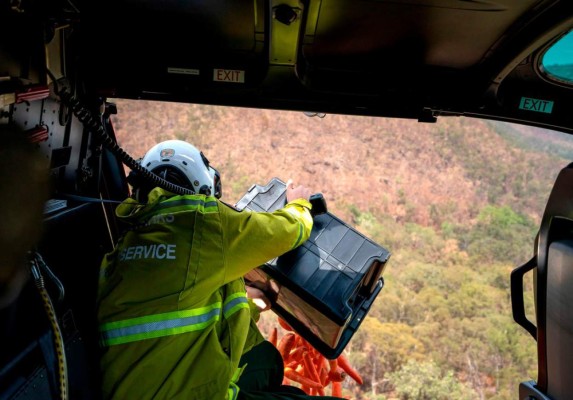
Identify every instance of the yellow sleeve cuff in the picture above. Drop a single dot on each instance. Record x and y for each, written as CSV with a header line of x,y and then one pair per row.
x,y
301,202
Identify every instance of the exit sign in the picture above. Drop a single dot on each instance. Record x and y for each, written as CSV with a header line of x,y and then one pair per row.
x,y
537,105
229,75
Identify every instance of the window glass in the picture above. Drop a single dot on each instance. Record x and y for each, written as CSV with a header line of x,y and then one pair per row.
x,y
457,211
557,62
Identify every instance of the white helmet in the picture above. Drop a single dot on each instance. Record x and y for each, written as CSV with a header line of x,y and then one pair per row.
x,y
183,164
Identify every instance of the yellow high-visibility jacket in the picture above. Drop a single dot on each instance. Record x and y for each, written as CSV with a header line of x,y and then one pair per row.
x,y
174,317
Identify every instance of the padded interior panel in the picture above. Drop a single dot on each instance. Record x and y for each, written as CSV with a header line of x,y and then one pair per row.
x,y
559,323
173,46
413,30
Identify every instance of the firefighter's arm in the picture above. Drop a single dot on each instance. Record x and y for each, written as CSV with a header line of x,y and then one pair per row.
x,y
253,238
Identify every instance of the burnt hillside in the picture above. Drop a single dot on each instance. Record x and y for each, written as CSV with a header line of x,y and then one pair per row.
x,y
423,173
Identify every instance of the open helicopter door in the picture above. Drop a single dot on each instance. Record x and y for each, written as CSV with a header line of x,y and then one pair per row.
x,y
553,272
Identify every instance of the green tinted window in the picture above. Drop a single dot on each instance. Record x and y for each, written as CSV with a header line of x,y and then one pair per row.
x,y
557,62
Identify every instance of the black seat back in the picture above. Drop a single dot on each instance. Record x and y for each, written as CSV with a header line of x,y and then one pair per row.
x,y
553,271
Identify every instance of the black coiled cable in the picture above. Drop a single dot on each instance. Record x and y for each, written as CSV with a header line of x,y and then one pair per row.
x,y
95,126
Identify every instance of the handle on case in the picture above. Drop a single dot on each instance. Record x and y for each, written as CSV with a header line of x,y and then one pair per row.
x,y
318,204
517,305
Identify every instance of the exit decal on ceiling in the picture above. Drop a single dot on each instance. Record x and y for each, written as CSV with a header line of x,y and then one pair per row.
x,y
537,105
229,75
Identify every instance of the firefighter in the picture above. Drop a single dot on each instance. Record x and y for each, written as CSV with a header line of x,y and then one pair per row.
x,y
175,319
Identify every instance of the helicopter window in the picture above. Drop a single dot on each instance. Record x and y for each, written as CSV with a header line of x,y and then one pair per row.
x,y
557,62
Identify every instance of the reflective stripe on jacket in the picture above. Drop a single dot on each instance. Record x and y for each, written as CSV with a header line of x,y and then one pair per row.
x,y
174,317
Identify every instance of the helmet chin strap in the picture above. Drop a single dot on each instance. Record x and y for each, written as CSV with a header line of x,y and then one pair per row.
x,y
163,174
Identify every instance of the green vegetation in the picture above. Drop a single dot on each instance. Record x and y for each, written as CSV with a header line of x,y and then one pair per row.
x,y
527,138
442,327
427,381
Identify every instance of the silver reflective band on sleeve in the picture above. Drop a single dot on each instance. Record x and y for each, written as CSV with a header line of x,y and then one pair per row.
x,y
304,219
159,325
235,302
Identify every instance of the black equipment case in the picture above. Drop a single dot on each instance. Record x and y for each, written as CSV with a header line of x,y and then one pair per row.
x,y
325,287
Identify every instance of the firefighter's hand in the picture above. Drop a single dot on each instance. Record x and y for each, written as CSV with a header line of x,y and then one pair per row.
x,y
258,297
296,192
